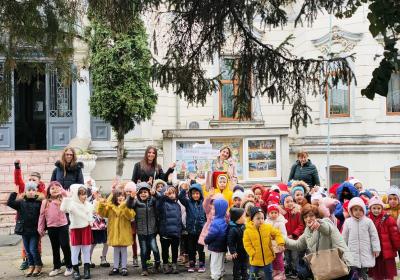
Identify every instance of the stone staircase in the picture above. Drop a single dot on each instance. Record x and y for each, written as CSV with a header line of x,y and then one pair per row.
x,y
39,161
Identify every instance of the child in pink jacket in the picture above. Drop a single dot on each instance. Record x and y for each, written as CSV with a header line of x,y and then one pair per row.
x,y
210,212
56,223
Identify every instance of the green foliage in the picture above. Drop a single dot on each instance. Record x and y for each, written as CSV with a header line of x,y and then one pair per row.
x,y
121,73
29,31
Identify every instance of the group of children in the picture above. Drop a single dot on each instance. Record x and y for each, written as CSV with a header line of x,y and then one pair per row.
x,y
251,224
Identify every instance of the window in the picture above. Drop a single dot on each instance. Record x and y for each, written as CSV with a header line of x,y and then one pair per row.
x,y
228,89
393,96
395,175
339,100
338,174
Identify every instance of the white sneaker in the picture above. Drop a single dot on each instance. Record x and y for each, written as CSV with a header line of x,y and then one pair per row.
x,y
68,271
55,272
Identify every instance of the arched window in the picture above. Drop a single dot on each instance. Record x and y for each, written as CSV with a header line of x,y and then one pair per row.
x,y
338,174
395,175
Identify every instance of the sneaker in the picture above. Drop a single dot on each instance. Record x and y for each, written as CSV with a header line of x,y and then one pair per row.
x,y
144,273
191,269
38,271
68,271
92,265
55,272
103,262
24,265
114,271
135,262
202,268
124,272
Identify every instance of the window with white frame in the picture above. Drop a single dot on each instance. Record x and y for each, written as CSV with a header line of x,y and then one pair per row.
x,y
393,95
257,159
395,175
339,99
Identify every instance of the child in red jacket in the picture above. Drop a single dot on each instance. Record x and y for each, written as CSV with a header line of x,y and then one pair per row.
x,y
294,228
385,265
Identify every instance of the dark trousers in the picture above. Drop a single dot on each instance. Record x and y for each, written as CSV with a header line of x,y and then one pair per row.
x,y
167,242
31,241
240,267
148,243
193,247
59,238
183,244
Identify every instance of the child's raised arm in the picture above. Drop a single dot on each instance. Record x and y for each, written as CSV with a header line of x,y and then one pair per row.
x,y
12,200
18,180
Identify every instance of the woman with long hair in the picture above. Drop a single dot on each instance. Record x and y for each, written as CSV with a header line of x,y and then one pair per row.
x,y
225,162
68,170
148,170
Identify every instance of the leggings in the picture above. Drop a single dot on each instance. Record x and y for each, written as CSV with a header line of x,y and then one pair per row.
x,y
120,254
103,252
75,250
167,242
134,245
59,238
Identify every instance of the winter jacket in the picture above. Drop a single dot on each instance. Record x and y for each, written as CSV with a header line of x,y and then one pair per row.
x,y
28,211
195,215
388,233
349,187
119,230
73,175
216,238
227,194
80,214
209,215
258,243
307,173
21,184
329,238
294,225
51,215
279,223
146,222
361,236
170,217
394,212
144,175
235,239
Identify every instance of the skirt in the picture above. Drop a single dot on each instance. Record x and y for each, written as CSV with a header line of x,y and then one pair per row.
x,y
384,269
99,236
81,236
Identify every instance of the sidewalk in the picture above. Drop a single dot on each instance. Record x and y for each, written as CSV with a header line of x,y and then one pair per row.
x,y
10,261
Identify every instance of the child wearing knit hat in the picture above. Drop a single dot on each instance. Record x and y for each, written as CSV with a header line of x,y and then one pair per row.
x,y
276,219
237,198
257,239
389,236
235,243
394,202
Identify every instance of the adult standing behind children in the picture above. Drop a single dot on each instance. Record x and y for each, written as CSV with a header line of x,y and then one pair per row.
x,y
148,170
304,170
225,162
68,170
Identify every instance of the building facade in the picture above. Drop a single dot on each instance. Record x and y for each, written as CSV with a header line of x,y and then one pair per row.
x,y
364,135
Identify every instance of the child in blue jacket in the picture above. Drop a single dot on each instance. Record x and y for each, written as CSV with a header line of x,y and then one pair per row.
x,y
216,239
195,220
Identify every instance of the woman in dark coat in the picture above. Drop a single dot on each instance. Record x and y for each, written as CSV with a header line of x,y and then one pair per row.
x,y
148,170
304,170
68,171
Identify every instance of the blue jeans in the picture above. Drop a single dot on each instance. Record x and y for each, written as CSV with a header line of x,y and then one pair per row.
x,y
31,241
255,269
148,243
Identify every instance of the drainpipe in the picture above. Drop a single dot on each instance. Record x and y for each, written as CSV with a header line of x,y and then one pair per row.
x,y
328,148
178,112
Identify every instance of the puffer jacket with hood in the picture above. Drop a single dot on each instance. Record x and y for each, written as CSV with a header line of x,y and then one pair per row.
x,y
393,211
28,211
73,175
345,191
146,221
80,214
361,236
216,238
170,217
209,215
195,215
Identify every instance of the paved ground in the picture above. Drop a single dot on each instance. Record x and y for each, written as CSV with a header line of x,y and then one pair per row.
x,y
10,261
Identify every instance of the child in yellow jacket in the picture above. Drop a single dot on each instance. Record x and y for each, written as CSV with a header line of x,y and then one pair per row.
x,y
257,241
119,231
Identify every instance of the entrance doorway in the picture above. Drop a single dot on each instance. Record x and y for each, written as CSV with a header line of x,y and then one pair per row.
x,y
30,113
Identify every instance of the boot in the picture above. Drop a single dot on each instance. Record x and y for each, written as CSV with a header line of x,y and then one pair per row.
x,y
103,262
174,269
76,275
37,271
156,268
86,271
30,271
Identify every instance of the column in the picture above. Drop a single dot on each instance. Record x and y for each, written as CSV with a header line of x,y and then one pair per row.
x,y
82,106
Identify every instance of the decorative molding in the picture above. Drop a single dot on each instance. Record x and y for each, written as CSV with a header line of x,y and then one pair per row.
x,y
342,41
